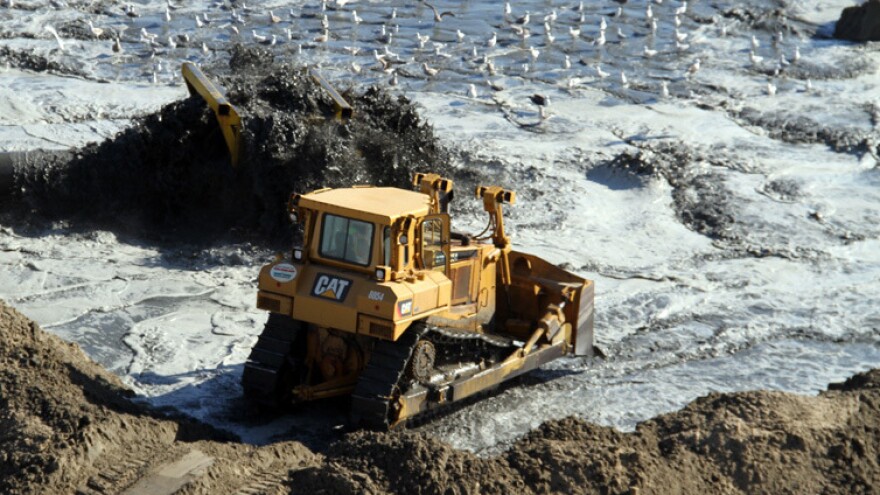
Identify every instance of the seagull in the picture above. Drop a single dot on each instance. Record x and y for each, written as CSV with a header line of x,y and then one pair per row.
x,y
96,32
523,20
771,89
620,34
233,28
653,26
259,38
422,39
755,43
323,37
694,67
270,42
619,12
472,91
325,22
355,67
649,52
649,14
809,85
541,102
438,16
117,46
664,89
623,80
290,37
534,52
677,21
600,41
167,15
490,68
550,38
171,43
393,80
778,38
459,35
754,59
494,86
355,18
681,46
680,37
507,10
575,32
603,25
205,47
681,9
551,17
599,72
199,22
429,71
54,33
274,19
566,64
491,42
797,55
522,32
352,50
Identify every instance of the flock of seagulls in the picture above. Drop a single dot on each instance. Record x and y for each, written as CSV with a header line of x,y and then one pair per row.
x,y
521,43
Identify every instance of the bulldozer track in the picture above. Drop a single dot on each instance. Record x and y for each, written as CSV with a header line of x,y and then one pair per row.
x,y
264,483
379,382
122,474
264,372
384,378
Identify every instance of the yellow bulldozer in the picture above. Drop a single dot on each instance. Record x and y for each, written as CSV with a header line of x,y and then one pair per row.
x,y
384,303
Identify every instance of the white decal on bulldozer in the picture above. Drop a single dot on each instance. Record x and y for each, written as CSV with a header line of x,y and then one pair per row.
x,y
375,295
330,287
283,272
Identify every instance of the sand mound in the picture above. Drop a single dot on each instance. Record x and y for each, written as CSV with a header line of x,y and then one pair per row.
x,y
754,442
170,171
66,425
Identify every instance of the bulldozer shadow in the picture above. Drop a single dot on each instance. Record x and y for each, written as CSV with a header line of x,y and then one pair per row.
x,y
219,403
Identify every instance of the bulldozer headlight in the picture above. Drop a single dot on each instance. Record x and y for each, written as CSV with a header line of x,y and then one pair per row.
x,y
380,274
402,240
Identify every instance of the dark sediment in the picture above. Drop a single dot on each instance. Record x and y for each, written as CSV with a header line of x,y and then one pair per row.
x,y
28,59
700,199
170,172
859,22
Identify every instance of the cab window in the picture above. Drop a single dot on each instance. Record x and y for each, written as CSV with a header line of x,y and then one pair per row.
x,y
346,239
432,244
386,245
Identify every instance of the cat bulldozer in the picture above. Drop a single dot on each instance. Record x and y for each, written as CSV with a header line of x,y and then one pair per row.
x,y
385,304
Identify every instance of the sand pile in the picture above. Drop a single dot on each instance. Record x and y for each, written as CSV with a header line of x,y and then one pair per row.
x,y
66,424
754,442
170,172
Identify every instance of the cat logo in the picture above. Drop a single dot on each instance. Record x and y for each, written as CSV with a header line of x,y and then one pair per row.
x,y
330,287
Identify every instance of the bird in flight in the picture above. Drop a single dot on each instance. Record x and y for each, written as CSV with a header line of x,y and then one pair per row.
x,y
438,16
